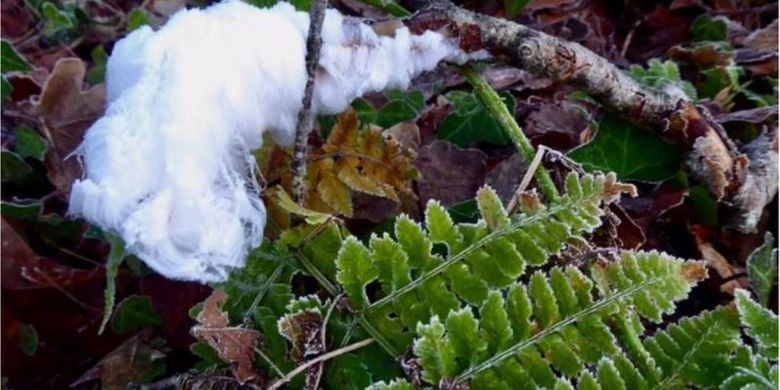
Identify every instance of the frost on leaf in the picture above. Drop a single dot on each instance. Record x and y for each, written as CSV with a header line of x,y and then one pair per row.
x,y
234,345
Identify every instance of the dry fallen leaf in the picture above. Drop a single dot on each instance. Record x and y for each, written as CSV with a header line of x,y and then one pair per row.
x,y
234,345
65,112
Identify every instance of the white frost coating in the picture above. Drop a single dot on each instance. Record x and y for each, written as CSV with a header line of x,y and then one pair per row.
x,y
169,168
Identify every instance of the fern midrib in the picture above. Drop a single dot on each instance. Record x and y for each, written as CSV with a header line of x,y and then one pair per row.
x,y
496,234
755,375
687,359
559,326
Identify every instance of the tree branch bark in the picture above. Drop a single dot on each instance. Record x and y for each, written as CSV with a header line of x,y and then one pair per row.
x,y
712,158
306,116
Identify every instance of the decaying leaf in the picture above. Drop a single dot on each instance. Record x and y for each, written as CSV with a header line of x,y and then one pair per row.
x,y
448,173
235,345
304,331
135,361
65,112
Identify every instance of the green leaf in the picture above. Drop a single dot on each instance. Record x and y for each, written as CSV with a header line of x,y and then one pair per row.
x,y
13,168
470,121
631,152
347,371
760,323
389,6
401,107
11,60
762,269
705,208
514,7
97,73
30,144
133,313
436,354
705,28
56,19
115,256
137,18
5,88
29,340
661,74
355,271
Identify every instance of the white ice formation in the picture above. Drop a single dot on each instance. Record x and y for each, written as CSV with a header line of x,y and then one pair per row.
x,y
169,168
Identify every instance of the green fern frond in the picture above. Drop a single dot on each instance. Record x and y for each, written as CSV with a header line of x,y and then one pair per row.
x,y
560,325
760,323
431,270
755,370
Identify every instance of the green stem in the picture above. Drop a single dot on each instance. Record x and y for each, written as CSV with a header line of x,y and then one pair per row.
x,y
334,292
506,119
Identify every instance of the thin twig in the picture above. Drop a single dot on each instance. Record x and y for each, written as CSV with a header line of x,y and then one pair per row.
x,y
529,174
306,116
330,355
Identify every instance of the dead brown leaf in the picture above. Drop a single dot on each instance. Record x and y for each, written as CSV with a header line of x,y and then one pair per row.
x,y
234,345
66,111
449,174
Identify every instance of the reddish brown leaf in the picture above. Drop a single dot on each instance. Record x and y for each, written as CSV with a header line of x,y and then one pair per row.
x,y
234,345
449,174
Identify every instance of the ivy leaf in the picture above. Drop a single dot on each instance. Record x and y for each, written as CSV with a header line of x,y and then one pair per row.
x,y
11,60
29,143
762,269
135,312
470,122
629,151
705,28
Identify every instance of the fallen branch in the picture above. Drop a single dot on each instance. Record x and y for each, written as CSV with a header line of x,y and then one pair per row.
x,y
306,115
712,158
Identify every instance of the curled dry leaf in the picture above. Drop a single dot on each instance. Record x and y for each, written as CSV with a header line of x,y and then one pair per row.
x,y
304,330
65,111
235,345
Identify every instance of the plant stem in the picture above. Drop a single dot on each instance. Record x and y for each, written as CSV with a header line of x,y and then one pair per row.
x,y
507,121
334,292
330,355
306,116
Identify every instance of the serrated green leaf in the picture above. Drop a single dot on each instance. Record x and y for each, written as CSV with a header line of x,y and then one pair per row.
x,y
133,313
435,353
355,271
760,323
629,151
762,269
